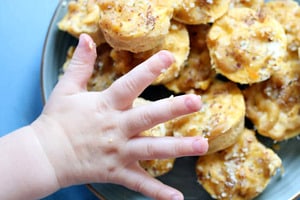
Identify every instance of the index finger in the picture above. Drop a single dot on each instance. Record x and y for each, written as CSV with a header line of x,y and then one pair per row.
x,y
124,90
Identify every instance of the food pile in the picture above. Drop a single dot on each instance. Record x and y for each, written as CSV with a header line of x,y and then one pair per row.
x,y
240,56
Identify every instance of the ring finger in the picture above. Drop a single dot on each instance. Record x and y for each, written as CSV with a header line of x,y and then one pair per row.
x,y
148,148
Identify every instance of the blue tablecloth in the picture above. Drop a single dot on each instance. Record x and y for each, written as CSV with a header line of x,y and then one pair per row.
x,y
23,27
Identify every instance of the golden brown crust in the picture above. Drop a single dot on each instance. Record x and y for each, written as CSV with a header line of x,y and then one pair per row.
x,y
241,171
123,61
221,116
246,46
82,17
134,26
200,11
178,34
197,72
287,12
273,106
253,4
157,167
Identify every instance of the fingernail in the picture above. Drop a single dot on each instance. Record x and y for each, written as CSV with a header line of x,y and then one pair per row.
x,y
200,145
176,197
166,57
83,38
92,45
193,102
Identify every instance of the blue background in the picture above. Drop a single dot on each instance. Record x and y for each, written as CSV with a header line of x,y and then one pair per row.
x,y
23,28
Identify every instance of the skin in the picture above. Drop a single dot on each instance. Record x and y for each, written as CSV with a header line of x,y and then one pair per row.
x,y
83,137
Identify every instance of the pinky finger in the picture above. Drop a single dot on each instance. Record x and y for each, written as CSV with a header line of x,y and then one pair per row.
x,y
140,181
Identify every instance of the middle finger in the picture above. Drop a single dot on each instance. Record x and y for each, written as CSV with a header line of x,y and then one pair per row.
x,y
141,118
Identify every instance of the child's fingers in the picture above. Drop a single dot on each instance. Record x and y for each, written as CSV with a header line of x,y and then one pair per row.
x,y
138,180
80,68
127,88
148,148
143,117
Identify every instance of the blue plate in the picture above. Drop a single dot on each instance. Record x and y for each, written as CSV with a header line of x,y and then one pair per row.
x,y
182,177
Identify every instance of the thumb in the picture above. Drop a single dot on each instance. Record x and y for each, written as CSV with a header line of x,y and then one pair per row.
x,y
80,68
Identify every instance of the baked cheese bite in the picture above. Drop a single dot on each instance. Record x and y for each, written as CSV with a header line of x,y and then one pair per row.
x,y
156,167
200,11
82,17
197,72
221,119
287,12
178,34
253,4
134,26
246,46
239,172
273,106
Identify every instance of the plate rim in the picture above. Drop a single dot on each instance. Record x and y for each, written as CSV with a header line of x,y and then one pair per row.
x,y
45,48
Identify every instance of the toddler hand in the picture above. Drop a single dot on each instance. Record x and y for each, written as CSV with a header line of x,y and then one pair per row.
x,y
94,136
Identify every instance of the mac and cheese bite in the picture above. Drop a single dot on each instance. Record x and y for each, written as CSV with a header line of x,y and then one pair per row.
x,y
134,26
241,171
273,106
220,120
200,11
287,12
246,46
82,17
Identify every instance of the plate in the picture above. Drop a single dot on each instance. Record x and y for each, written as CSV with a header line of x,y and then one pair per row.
x,y
182,177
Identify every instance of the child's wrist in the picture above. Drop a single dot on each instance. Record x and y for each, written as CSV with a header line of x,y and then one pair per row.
x,y
56,147
33,175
